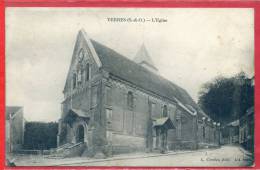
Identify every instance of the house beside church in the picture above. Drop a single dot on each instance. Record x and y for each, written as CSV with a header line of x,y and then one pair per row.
x,y
246,130
246,126
14,128
115,105
230,133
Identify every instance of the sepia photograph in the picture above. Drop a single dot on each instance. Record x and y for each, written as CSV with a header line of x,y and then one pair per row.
x,y
134,87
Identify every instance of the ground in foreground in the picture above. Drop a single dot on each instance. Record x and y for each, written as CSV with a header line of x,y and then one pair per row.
x,y
225,156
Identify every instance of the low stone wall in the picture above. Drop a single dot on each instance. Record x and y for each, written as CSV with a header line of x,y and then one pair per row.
x,y
33,152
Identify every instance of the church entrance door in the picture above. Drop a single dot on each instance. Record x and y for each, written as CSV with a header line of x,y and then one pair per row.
x,y
80,134
161,126
161,138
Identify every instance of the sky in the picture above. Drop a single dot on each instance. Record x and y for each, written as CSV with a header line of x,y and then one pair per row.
x,y
191,48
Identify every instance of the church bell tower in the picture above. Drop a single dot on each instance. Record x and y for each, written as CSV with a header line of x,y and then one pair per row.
x,y
143,58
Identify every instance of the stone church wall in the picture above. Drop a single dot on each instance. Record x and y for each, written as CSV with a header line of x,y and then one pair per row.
x,y
124,143
17,131
130,127
85,97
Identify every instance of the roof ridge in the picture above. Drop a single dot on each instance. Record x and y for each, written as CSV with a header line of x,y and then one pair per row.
x,y
132,61
174,87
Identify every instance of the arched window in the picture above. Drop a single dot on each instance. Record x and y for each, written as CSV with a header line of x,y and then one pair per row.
x,y
87,72
178,121
130,100
203,132
74,80
79,77
165,111
83,76
81,56
215,135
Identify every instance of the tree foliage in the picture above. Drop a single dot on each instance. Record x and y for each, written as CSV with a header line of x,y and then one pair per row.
x,y
226,99
40,135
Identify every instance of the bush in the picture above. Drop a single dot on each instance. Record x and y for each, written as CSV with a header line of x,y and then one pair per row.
x,y
40,135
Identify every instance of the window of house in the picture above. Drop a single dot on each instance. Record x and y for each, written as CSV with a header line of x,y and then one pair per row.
x,y
157,131
130,100
165,111
245,134
241,137
203,132
246,131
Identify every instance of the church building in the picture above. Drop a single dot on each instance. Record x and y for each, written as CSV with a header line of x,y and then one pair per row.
x,y
115,105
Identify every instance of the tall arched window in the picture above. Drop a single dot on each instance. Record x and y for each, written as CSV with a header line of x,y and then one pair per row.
x,y
215,135
165,111
130,100
87,72
203,132
178,121
79,77
83,76
74,80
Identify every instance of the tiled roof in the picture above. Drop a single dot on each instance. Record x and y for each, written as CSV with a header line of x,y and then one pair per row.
x,y
250,110
11,110
128,70
234,123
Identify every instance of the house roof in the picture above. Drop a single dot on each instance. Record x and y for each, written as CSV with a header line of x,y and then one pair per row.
x,y
250,110
120,66
234,123
11,110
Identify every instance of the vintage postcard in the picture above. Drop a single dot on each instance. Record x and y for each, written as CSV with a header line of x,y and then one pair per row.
x,y
149,87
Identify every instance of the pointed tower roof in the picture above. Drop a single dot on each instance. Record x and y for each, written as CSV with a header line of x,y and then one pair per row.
x,y
143,58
